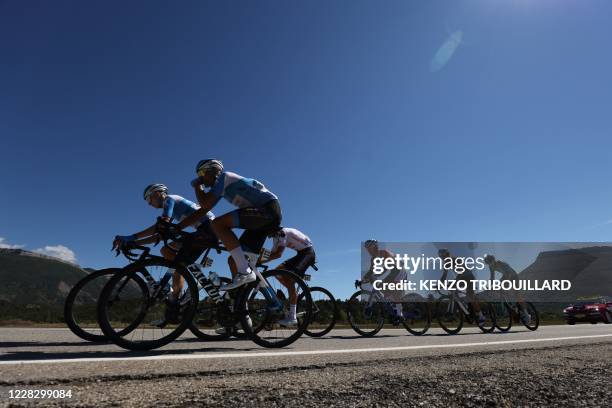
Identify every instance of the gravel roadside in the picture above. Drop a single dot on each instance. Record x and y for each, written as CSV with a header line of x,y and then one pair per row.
x,y
572,376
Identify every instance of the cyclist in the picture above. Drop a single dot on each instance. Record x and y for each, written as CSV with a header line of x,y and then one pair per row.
x,y
508,274
299,242
394,275
175,208
468,276
258,213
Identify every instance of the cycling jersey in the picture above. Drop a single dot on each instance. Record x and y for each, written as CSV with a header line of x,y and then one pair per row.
x,y
178,208
505,269
241,191
291,238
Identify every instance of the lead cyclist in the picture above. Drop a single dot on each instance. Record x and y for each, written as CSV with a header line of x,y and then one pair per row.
x,y
258,213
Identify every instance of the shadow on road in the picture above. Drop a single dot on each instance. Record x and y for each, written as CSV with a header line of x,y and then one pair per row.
x,y
42,355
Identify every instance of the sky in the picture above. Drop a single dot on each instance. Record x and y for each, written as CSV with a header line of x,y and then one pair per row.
x,y
402,121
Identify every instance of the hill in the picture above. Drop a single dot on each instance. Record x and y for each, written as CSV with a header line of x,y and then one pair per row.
x,y
589,269
34,286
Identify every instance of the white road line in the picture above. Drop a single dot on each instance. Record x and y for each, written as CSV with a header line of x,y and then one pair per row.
x,y
296,353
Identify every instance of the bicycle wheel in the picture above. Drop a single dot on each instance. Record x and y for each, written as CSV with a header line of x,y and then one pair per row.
x,y
324,313
449,315
80,305
417,319
208,317
503,316
534,317
156,319
364,315
262,307
488,311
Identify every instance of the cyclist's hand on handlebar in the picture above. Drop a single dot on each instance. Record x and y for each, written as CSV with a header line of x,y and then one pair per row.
x,y
122,240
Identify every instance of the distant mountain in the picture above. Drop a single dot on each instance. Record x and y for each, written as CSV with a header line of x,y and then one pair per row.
x,y
27,278
589,269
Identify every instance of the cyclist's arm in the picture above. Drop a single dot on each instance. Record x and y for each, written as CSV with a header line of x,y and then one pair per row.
x,y
146,232
276,253
207,201
148,240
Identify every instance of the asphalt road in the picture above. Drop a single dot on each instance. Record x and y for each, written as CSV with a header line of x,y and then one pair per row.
x,y
556,365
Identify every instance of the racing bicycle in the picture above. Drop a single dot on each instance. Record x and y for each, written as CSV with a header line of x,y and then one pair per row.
x,y
159,316
453,310
508,312
367,310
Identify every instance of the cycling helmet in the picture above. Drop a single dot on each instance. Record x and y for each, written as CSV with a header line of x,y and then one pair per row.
x,y
152,188
370,243
489,259
443,253
208,164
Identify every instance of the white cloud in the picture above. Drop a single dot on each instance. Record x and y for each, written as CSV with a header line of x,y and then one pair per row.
x,y
58,251
8,246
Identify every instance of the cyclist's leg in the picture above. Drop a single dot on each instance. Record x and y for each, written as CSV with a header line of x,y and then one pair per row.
x,y
169,252
222,226
297,264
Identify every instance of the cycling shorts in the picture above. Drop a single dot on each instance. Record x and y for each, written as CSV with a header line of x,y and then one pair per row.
x,y
193,246
258,223
300,262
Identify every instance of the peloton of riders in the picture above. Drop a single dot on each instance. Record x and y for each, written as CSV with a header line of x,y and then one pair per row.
x,y
258,213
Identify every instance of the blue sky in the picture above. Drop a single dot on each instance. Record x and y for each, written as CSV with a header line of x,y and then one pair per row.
x,y
332,105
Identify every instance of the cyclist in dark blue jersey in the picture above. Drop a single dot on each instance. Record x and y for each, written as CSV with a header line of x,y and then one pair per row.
x,y
258,213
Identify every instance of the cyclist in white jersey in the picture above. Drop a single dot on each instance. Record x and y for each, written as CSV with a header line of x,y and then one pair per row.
x,y
305,256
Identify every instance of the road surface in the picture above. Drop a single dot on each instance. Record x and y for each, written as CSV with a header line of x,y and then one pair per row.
x,y
555,365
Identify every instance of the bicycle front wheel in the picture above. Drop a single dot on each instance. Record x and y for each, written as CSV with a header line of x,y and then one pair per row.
x,y
324,312
80,305
263,308
156,316
449,315
532,320
365,316
416,317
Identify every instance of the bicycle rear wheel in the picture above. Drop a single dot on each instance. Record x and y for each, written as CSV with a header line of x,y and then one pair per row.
x,y
503,316
208,317
80,305
449,315
365,316
262,307
156,320
324,313
488,311
416,317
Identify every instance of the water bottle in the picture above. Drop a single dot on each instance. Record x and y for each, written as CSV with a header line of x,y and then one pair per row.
x,y
214,278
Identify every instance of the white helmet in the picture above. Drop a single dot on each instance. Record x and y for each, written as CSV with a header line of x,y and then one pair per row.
x,y
208,164
152,188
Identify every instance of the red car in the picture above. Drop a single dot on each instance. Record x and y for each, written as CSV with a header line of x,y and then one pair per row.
x,y
594,311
